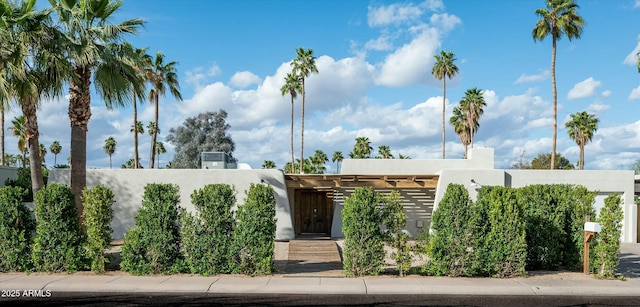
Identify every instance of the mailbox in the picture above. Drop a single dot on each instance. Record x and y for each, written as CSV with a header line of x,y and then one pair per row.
x,y
592,227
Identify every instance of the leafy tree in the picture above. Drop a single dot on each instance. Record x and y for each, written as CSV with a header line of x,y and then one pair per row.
x,y
109,147
559,18
160,150
362,149
268,164
460,127
292,86
303,65
55,149
581,127
444,68
543,161
521,163
337,158
473,106
161,76
90,43
204,132
384,152
608,240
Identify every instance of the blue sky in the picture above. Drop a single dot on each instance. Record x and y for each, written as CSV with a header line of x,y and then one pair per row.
x,y
374,60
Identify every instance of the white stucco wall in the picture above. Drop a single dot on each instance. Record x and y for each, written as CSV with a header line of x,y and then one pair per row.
x,y
128,187
7,172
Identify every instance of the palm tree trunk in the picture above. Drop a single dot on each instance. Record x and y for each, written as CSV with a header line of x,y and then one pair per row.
x,y
79,115
293,161
302,131
110,162
555,103
31,136
466,151
55,159
581,155
444,97
136,159
155,134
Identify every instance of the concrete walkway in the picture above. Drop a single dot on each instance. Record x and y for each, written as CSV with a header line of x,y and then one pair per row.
x,y
313,258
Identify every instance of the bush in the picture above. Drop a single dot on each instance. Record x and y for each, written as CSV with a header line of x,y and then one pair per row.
x,y
608,240
255,232
153,246
505,244
24,181
97,217
363,247
16,227
58,241
450,249
207,237
395,220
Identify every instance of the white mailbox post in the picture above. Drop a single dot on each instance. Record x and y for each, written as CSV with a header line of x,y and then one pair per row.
x,y
590,230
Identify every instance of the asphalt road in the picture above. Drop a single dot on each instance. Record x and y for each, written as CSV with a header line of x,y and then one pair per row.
x,y
163,299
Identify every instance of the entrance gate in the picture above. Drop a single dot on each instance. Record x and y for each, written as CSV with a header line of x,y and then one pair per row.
x,y
314,212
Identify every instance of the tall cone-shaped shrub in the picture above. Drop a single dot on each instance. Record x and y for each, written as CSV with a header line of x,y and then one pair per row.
x,y
606,252
16,226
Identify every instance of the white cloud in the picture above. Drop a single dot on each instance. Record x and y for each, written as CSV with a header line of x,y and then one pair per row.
x,y
200,74
606,94
583,89
434,5
532,78
243,79
635,94
445,21
636,4
382,43
598,107
394,14
411,63
632,57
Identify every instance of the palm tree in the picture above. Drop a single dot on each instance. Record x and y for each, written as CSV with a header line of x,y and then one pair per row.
x,y
318,160
473,105
401,156
138,128
292,86
18,129
303,65
560,17
151,129
268,164
444,68
582,126
140,60
109,147
461,127
161,76
337,158
160,150
55,149
362,149
91,49
384,152
43,152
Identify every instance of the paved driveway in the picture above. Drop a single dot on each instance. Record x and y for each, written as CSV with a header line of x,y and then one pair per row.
x,y
630,260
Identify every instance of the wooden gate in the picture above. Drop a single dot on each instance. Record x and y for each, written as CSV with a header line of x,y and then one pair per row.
x,y
313,211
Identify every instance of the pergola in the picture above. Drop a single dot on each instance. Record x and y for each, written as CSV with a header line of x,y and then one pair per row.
x,y
324,181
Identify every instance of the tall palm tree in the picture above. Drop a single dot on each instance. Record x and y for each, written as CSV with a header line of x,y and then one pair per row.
x,y
362,149
138,128
559,18
55,149
318,160
140,60
268,164
18,129
161,76
303,65
473,105
292,86
152,130
582,126
43,152
461,127
444,68
384,152
109,147
337,158
160,150
91,49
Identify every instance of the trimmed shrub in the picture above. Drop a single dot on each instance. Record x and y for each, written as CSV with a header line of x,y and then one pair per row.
x,y
207,237
255,232
24,181
608,240
450,249
16,227
153,246
395,220
363,240
505,246
97,217
58,241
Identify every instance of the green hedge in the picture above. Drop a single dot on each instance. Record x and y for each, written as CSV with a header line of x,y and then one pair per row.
x,y
97,217
608,240
154,245
58,241
207,237
16,227
255,233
